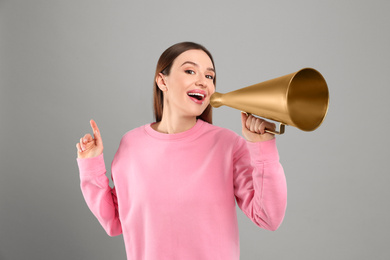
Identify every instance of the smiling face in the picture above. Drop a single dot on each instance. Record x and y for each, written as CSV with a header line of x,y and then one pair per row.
x,y
189,85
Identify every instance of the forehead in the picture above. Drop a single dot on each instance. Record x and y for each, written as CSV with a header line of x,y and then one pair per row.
x,y
197,56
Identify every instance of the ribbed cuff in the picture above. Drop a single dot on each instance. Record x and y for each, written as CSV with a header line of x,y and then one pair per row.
x,y
264,151
91,166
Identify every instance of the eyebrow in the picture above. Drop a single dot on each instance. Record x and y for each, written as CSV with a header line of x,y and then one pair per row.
x,y
193,63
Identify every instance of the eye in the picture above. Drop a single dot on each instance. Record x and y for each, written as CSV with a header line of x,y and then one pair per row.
x,y
210,77
189,71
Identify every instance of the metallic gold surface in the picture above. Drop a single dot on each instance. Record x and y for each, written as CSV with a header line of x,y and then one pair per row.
x,y
280,132
299,99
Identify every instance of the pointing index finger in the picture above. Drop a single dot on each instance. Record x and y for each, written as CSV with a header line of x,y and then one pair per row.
x,y
95,128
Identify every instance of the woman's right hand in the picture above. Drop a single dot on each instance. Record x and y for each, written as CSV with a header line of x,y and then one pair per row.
x,y
90,146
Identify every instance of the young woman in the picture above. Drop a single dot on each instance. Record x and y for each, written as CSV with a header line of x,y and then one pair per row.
x,y
177,179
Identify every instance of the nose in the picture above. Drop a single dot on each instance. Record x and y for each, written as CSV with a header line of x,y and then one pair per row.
x,y
201,81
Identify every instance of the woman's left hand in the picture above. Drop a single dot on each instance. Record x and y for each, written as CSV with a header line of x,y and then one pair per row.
x,y
253,128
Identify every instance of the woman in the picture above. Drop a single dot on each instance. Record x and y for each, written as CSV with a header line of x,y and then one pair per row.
x,y
176,180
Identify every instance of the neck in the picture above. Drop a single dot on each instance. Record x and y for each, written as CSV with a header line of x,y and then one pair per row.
x,y
174,125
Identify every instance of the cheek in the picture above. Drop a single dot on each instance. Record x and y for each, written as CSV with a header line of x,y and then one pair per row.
x,y
182,83
212,90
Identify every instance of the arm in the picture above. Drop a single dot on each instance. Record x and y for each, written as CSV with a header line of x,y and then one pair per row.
x,y
259,181
100,197
260,184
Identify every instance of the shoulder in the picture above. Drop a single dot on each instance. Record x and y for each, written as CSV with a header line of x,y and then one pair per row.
x,y
131,141
219,129
221,133
134,134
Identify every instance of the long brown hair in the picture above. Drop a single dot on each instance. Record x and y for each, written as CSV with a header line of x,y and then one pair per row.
x,y
164,65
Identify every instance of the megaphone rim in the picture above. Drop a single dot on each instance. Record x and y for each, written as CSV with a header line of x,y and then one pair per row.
x,y
326,106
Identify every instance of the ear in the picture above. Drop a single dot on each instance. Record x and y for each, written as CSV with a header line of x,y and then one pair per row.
x,y
161,82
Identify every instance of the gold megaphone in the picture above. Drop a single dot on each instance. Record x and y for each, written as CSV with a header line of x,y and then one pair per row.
x,y
298,99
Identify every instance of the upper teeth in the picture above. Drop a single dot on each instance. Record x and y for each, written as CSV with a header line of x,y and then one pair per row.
x,y
196,94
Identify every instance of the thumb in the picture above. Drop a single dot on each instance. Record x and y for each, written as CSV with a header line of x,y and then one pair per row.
x,y
96,133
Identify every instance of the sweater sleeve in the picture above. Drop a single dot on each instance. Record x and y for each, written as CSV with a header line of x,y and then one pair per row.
x,y
99,196
259,183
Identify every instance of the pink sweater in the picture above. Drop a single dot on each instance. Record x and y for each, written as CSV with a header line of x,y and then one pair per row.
x,y
174,194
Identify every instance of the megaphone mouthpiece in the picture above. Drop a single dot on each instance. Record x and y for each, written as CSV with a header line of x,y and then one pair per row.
x,y
216,100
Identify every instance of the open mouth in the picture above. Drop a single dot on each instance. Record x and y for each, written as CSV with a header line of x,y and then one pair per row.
x,y
197,96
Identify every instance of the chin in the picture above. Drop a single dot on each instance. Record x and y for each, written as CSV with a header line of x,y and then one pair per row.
x,y
197,111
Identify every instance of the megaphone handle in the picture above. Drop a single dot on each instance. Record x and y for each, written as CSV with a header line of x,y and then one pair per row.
x,y
281,127
280,132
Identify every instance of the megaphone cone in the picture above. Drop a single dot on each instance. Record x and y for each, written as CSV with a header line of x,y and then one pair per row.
x,y
299,99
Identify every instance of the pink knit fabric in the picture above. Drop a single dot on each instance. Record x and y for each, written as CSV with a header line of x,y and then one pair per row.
x,y
174,195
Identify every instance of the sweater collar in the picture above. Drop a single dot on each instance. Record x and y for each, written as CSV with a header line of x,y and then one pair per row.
x,y
190,132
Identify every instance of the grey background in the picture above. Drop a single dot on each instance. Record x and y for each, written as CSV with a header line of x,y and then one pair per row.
x,y
65,62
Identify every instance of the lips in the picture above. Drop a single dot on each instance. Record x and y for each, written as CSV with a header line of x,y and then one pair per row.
x,y
197,95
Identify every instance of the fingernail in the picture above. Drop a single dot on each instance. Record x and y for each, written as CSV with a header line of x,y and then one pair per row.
x,y
244,113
